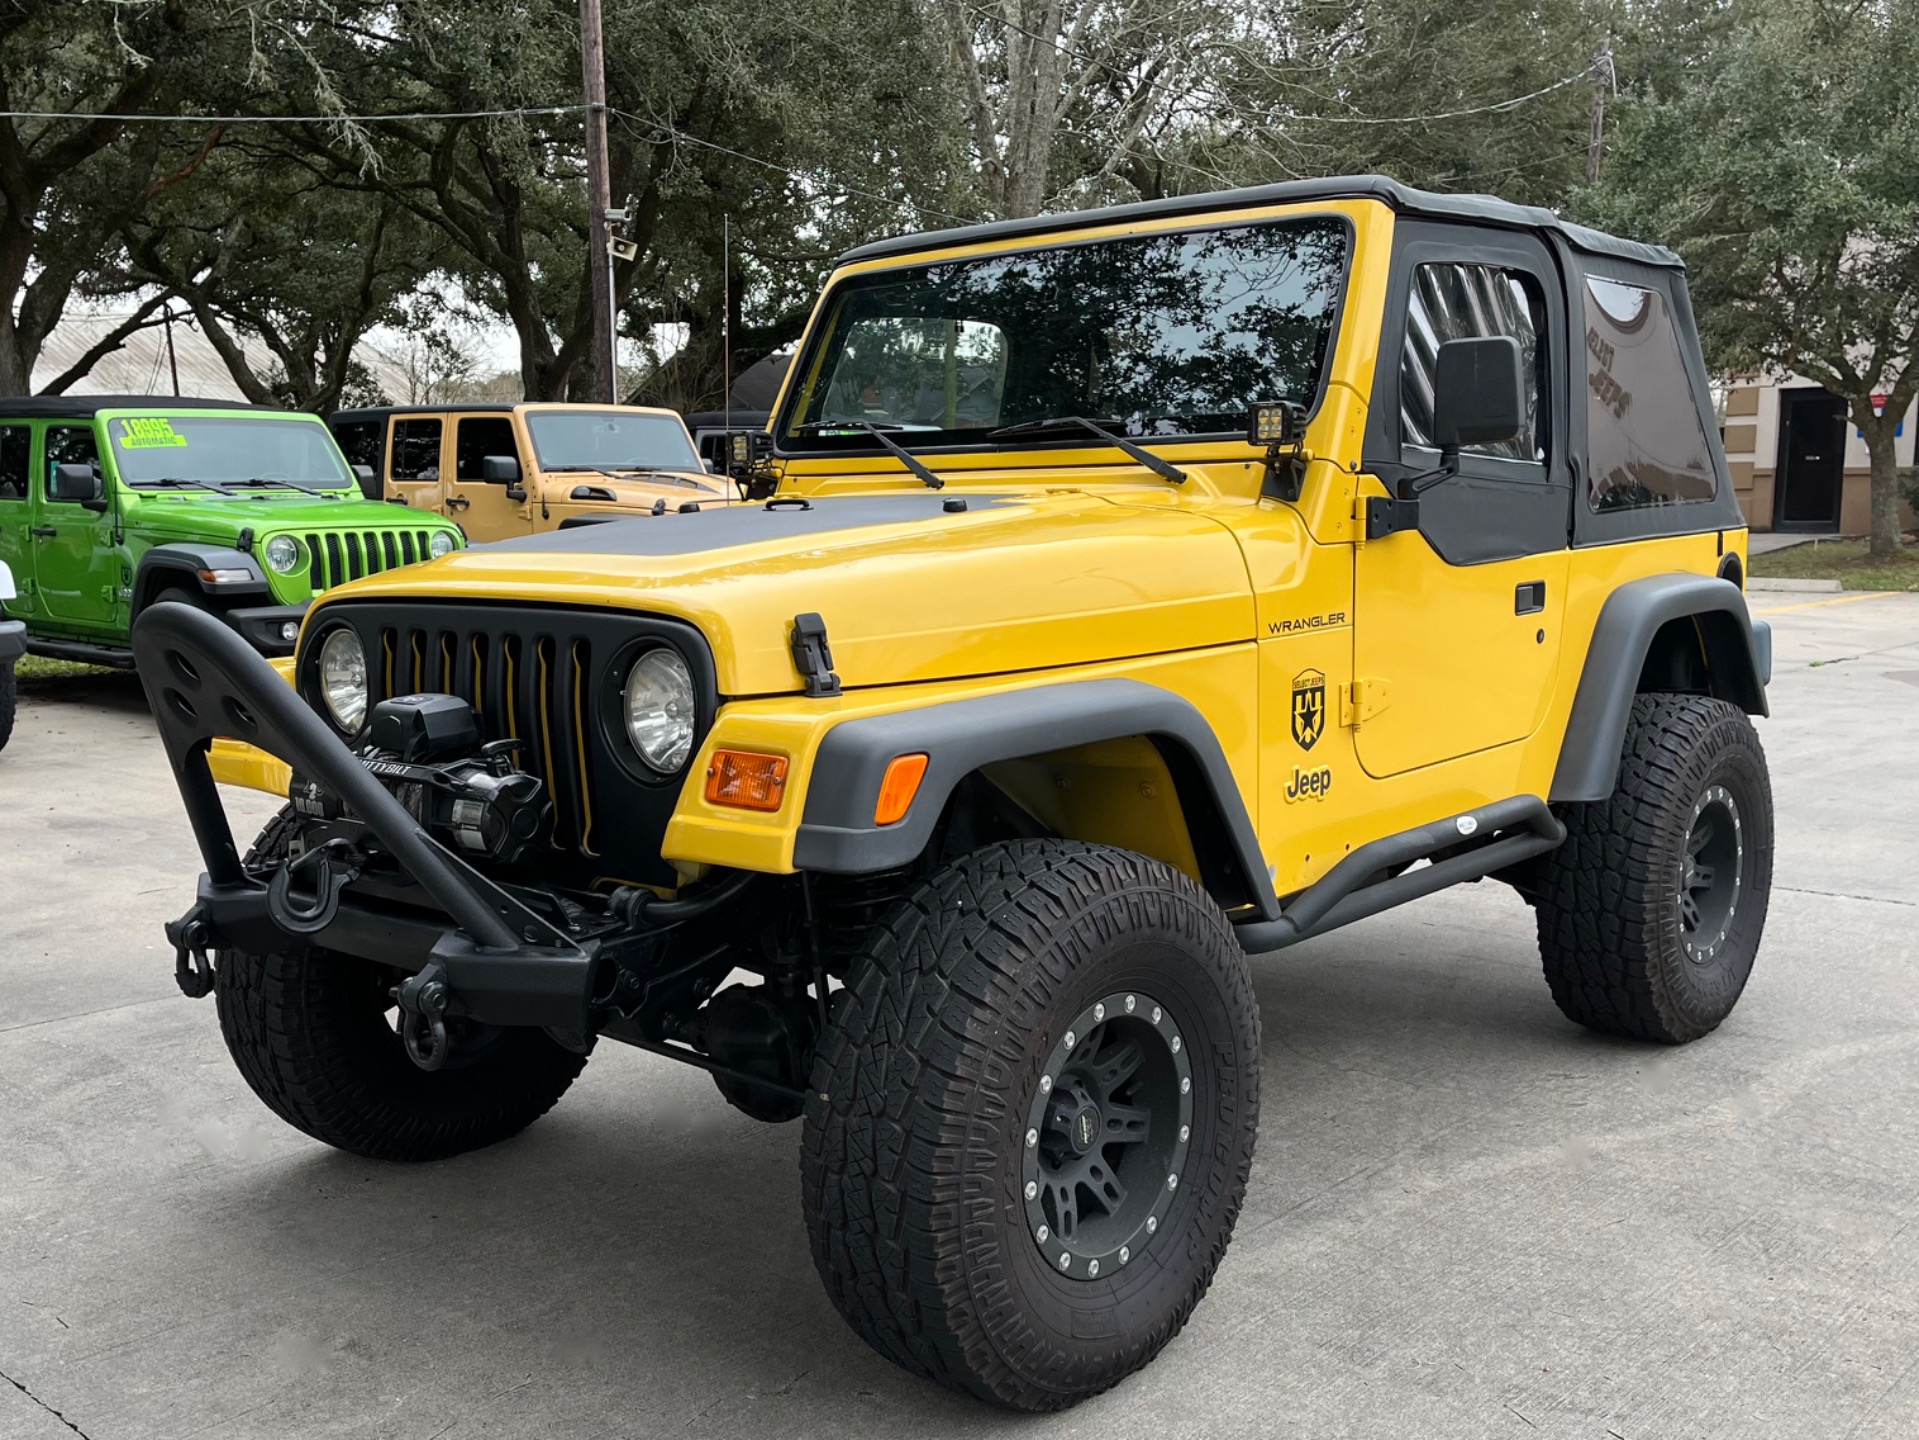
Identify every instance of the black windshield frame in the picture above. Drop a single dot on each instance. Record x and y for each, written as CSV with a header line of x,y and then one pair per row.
x,y
809,366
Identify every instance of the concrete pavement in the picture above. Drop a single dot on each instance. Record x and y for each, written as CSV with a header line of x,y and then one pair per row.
x,y
1468,1218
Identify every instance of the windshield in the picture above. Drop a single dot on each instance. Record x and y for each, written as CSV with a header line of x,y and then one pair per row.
x,y
222,450
1154,335
606,440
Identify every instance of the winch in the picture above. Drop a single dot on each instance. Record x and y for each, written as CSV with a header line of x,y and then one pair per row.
x,y
426,750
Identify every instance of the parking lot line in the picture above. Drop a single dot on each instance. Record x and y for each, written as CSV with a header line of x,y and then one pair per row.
x,y
1837,600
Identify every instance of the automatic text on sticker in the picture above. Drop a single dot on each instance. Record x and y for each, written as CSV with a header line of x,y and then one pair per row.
x,y
150,434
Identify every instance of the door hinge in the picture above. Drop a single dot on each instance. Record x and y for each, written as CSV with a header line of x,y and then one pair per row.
x,y
1360,700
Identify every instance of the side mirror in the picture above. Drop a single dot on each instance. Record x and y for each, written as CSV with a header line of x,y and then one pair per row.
x,y
77,482
712,466
500,469
363,473
1479,392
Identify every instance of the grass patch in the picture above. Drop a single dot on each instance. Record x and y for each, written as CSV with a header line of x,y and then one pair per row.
x,y
1842,560
38,667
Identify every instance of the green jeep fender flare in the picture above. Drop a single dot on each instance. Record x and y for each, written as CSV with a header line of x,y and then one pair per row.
x,y
1704,618
837,834
182,561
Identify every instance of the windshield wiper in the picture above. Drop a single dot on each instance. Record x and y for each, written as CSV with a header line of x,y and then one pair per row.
x,y
273,480
878,432
172,482
620,472
1147,458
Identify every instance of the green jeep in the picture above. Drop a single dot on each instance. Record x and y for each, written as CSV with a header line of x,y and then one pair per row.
x,y
109,503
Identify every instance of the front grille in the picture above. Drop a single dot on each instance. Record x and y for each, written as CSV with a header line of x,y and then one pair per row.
x,y
341,555
552,679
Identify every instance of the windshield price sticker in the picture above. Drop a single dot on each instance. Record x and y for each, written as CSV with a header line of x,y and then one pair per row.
x,y
150,434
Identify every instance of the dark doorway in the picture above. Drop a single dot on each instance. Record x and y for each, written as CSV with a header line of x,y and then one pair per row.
x,y
1812,460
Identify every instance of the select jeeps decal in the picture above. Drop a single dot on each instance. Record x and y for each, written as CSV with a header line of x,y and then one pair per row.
x,y
1328,621
1309,707
1309,784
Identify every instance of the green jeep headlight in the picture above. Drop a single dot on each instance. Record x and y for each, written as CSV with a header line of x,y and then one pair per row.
x,y
283,554
441,544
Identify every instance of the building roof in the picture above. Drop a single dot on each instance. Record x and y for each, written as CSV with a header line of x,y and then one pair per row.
x,y
1482,209
142,365
85,407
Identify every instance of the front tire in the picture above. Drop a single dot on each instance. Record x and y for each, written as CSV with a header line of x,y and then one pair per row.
x,y
1650,914
9,701
309,1030
1031,1122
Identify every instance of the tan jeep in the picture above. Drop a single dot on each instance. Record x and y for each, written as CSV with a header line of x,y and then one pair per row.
x,y
509,469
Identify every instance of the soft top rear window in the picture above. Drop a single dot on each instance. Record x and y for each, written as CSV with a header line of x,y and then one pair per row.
x,y
1161,336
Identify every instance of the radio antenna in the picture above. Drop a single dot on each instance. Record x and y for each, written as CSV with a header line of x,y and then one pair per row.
x,y
726,320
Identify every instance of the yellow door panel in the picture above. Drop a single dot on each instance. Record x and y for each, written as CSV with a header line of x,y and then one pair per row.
x,y
414,454
1464,660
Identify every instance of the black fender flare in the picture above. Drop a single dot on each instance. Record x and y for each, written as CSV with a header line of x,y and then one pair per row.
x,y
1737,652
837,834
166,564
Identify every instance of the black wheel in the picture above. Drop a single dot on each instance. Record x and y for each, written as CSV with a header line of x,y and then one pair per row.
x,y
313,1033
1032,1119
9,701
1650,914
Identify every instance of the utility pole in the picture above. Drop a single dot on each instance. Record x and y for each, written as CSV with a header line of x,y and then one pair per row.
x,y
599,267
1602,82
173,360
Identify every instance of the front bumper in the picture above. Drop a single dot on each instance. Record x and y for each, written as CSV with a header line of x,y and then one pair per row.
x,y
13,640
501,963
270,629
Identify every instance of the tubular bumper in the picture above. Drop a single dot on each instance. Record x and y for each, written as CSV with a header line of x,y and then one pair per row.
x,y
504,964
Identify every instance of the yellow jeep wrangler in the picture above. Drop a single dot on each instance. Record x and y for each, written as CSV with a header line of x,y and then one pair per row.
x,y
506,469
1141,590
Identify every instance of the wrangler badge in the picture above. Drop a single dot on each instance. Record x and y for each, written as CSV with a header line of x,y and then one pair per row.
x,y
1309,707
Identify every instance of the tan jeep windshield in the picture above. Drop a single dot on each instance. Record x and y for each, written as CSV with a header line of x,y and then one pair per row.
x,y
1154,335
609,440
244,450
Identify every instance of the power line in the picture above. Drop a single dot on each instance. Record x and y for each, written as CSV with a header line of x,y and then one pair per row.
x,y
667,131
289,119
1497,105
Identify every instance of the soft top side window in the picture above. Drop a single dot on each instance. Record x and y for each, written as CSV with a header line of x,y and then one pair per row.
x,y
1645,443
1464,302
16,461
416,450
68,445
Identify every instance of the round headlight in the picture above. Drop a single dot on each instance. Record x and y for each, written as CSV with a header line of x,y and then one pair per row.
x,y
283,554
659,709
343,678
440,544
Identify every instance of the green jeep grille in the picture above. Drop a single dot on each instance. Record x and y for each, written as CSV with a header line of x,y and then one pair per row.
x,y
342,555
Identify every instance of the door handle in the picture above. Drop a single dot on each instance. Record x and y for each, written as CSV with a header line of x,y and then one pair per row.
x,y
43,532
457,502
1529,598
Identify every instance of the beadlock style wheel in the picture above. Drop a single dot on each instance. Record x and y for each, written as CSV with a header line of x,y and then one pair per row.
x,y
1650,915
1031,1120
1107,1135
1709,875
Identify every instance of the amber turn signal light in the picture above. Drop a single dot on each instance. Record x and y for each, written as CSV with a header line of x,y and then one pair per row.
x,y
746,780
897,789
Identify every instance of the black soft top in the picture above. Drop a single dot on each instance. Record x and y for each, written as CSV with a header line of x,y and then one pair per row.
x,y
1480,209
85,407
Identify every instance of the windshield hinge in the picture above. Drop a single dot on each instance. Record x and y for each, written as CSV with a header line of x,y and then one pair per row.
x,y
813,657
